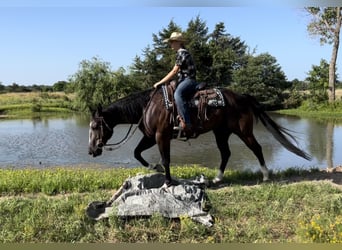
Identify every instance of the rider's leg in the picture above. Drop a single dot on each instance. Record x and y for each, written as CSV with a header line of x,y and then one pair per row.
x,y
184,91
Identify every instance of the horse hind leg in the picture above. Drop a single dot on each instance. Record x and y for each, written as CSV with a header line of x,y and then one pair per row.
x,y
223,146
164,145
253,145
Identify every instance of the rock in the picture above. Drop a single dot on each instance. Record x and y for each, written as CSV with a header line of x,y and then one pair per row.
x,y
144,195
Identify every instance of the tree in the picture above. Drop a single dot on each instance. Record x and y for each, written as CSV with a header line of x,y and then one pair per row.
x,y
124,84
197,36
326,23
293,95
220,60
148,70
228,54
318,78
156,60
215,55
60,86
263,78
95,83
2,88
298,85
18,88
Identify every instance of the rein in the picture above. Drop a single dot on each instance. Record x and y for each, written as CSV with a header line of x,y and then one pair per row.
x,y
122,141
127,136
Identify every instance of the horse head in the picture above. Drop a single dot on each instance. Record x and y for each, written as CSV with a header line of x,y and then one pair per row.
x,y
99,132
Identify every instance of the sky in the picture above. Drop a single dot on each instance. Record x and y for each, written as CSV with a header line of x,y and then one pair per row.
x,y
42,42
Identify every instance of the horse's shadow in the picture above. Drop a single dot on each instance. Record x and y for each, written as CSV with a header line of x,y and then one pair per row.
x,y
296,176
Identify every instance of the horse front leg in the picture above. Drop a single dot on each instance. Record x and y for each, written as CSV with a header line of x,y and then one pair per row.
x,y
223,146
144,144
164,145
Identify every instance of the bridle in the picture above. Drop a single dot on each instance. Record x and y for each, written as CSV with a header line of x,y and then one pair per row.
x,y
102,122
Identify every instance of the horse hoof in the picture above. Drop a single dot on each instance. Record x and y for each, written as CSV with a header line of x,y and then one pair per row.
x,y
165,187
169,183
158,168
216,180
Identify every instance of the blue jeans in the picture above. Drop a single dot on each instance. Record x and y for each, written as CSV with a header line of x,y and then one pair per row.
x,y
184,91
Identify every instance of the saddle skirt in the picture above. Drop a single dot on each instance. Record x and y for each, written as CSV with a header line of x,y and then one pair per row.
x,y
212,97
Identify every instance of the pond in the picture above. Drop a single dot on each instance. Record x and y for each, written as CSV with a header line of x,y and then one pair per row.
x,y
63,142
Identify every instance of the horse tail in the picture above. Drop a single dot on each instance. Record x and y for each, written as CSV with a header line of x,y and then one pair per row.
x,y
280,133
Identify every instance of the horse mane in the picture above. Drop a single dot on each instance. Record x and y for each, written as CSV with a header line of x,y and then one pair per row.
x,y
130,107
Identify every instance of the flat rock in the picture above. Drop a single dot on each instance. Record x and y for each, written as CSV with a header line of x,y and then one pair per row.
x,y
145,195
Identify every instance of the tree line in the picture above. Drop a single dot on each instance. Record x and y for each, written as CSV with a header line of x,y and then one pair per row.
x,y
222,60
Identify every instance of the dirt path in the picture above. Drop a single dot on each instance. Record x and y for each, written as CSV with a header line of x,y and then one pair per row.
x,y
333,176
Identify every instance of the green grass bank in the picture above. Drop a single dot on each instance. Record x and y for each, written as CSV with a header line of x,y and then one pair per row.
x,y
319,111
35,104
48,205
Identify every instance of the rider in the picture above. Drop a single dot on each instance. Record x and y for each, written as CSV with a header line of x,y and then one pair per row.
x,y
186,72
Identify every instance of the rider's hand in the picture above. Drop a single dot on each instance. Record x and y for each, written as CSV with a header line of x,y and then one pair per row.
x,y
157,84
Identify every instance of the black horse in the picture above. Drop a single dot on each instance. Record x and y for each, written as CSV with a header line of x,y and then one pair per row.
x,y
157,123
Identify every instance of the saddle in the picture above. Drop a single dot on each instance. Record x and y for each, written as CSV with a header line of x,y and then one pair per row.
x,y
201,100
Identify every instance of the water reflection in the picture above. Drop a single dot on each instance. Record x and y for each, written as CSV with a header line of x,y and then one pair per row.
x,y
63,141
330,145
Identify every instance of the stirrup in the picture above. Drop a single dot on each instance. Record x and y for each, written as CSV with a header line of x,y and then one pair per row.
x,y
182,135
176,128
178,133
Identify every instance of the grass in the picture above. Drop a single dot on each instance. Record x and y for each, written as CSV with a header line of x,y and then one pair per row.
x,y
26,105
36,104
320,111
48,205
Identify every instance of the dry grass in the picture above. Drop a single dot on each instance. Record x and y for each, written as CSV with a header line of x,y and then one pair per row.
x,y
29,96
32,103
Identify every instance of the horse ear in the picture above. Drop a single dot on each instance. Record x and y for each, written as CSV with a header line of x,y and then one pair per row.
x,y
92,110
95,111
99,110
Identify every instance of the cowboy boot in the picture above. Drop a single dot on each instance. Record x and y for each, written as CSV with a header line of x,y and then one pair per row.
x,y
180,125
185,128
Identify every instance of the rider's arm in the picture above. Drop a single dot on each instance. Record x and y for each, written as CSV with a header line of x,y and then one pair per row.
x,y
168,77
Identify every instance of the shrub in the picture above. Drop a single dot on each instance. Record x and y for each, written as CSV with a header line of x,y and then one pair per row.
x,y
36,106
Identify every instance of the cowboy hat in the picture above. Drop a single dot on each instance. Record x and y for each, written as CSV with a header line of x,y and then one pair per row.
x,y
175,36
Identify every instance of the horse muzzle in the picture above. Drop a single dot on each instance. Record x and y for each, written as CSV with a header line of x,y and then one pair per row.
x,y
95,152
